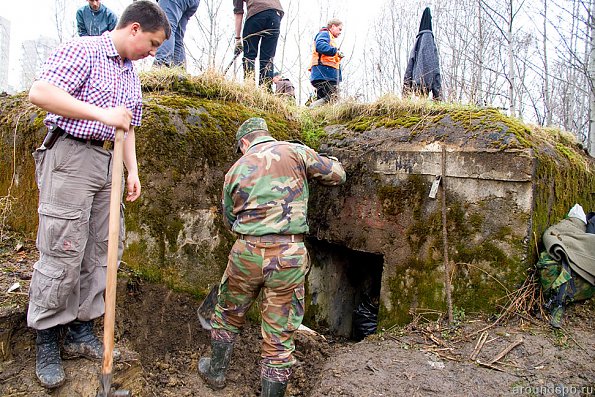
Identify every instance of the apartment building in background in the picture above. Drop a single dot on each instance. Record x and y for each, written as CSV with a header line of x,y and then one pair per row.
x,y
4,53
34,53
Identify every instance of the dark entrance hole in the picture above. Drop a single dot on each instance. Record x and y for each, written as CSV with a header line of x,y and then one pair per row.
x,y
340,279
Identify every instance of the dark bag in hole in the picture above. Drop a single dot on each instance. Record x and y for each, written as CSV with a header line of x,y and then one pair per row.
x,y
365,318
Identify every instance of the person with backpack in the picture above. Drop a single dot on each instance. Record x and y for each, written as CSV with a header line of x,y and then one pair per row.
x,y
283,87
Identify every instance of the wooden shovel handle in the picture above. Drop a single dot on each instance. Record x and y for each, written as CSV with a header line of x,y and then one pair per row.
x,y
112,253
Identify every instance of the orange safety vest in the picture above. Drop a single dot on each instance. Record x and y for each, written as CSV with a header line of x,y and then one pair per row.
x,y
326,60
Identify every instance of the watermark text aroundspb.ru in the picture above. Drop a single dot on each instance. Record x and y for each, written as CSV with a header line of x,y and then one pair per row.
x,y
554,390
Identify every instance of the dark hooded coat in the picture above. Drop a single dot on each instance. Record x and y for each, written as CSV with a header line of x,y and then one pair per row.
x,y
422,75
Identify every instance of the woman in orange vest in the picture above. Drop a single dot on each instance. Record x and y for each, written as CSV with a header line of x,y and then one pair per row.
x,y
325,66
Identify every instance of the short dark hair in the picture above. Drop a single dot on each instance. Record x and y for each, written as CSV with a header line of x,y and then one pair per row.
x,y
148,14
257,134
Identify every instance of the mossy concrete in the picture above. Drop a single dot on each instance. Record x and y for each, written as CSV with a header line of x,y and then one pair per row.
x,y
505,184
175,233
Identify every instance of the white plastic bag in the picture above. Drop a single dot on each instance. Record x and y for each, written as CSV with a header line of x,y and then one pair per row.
x,y
578,212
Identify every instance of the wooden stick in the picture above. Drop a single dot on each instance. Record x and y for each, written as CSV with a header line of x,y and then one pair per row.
x,y
506,350
445,239
478,346
112,257
487,365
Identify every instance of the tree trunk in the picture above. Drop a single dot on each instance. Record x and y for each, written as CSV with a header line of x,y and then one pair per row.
x,y
546,71
591,138
511,71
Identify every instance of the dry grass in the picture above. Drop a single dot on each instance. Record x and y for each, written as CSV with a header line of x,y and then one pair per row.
x,y
213,85
387,106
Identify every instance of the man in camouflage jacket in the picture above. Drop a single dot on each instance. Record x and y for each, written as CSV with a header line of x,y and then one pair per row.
x,y
265,201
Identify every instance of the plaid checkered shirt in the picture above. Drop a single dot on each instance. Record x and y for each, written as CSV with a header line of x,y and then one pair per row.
x,y
89,69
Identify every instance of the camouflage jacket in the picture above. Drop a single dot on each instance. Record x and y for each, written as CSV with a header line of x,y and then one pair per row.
x,y
266,190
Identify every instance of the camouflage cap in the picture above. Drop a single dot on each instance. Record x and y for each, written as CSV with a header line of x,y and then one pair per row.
x,y
248,126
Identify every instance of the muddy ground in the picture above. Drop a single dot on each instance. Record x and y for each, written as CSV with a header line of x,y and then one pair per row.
x,y
161,342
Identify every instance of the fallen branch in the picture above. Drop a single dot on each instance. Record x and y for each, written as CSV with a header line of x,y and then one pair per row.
x,y
437,340
504,352
480,342
494,367
490,366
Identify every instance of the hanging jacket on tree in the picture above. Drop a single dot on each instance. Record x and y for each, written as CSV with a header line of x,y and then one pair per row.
x,y
325,63
423,69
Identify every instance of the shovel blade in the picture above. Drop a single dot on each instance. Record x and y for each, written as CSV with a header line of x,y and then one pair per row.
x,y
207,308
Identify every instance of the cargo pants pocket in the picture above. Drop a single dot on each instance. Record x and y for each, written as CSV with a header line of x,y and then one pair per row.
x,y
61,230
296,310
47,288
38,156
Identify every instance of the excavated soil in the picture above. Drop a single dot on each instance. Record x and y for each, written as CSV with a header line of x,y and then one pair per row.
x,y
161,342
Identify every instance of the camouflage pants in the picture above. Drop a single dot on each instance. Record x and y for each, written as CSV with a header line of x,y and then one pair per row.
x,y
279,269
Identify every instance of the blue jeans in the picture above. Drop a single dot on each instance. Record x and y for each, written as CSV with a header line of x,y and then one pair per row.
x,y
178,12
262,30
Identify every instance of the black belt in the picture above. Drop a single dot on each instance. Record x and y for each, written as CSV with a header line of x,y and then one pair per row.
x,y
94,142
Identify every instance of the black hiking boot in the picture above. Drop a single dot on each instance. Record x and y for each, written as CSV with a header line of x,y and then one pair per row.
x,y
212,369
271,388
80,341
48,364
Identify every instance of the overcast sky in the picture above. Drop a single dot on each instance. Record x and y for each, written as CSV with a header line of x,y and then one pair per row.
x,y
31,19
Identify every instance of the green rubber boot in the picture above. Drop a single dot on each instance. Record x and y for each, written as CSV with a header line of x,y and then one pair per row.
x,y
212,369
557,315
272,388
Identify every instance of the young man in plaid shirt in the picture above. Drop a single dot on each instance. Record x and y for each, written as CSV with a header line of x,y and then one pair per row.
x,y
89,88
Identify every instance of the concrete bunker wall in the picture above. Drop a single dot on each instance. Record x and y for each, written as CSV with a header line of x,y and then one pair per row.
x,y
381,225
386,210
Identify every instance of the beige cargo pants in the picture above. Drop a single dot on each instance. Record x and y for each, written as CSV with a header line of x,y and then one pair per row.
x,y
74,181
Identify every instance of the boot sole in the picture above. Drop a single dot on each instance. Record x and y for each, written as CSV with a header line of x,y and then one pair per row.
x,y
209,382
71,356
48,386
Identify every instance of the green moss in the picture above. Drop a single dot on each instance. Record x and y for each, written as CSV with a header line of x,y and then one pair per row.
x,y
559,184
21,132
414,285
480,267
409,195
402,120
312,132
493,121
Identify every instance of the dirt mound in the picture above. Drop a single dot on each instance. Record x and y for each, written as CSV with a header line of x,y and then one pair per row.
x,y
161,341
